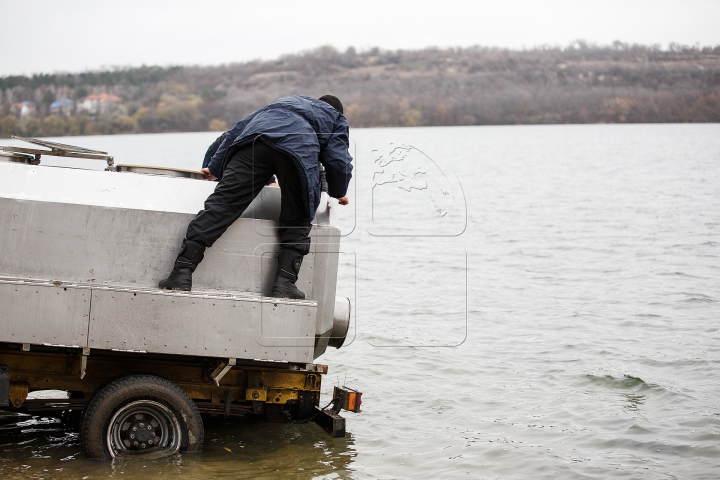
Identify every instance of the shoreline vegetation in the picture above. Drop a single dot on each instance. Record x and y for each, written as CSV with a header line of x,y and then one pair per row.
x,y
581,83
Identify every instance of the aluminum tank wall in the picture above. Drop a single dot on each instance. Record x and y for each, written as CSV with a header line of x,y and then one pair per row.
x,y
126,229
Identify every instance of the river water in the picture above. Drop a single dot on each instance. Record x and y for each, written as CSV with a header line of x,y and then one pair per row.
x,y
529,302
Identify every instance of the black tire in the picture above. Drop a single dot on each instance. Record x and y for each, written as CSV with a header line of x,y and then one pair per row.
x,y
156,413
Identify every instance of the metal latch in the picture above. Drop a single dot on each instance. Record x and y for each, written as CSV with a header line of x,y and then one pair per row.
x,y
83,362
221,370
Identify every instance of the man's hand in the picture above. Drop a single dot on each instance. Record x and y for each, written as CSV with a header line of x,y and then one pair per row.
x,y
208,175
343,200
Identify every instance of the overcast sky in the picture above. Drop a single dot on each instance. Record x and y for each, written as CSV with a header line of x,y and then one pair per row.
x,y
77,35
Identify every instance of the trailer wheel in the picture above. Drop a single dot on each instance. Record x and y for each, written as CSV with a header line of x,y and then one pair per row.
x,y
141,415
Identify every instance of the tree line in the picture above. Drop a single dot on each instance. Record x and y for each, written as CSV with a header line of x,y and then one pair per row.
x,y
581,83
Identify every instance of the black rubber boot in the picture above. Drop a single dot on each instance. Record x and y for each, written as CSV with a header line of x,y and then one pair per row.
x,y
191,254
289,262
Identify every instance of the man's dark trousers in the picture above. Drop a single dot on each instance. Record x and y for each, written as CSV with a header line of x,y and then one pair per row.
x,y
247,172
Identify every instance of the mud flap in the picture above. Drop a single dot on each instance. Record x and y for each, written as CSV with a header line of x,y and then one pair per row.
x,y
331,422
4,386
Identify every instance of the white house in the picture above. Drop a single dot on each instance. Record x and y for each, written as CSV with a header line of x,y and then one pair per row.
x,y
23,109
99,104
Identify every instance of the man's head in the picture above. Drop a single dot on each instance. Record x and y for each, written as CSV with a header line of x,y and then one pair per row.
x,y
333,101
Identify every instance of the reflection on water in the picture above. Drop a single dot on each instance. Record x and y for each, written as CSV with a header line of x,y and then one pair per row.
x,y
634,402
45,447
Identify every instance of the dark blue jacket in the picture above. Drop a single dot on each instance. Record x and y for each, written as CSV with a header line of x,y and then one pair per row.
x,y
306,129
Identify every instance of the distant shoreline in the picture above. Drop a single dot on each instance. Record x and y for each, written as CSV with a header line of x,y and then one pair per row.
x,y
4,140
580,84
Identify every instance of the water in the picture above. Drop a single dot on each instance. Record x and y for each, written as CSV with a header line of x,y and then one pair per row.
x,y
551,311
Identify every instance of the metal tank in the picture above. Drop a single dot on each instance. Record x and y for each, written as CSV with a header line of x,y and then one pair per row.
x,y
82,251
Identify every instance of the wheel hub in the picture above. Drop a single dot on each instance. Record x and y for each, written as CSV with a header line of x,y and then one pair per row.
x,y
143,425
143,433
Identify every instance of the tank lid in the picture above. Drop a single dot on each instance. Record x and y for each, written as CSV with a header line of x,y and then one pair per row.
x,y
163,171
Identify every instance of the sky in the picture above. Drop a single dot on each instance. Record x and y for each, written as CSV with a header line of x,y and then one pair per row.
x,y
47,36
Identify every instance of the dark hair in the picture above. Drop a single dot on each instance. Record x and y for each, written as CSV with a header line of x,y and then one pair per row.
x,y
333,101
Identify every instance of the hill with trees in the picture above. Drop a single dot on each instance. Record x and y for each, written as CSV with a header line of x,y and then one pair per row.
x,y
581,83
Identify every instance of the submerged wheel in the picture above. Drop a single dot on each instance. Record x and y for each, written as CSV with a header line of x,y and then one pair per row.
x,y
140,415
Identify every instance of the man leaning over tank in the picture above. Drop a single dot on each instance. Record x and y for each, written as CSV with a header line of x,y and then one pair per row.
x,y
288,138
271,183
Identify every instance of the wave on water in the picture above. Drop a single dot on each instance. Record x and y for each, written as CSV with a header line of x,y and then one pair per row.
x,y
628,383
